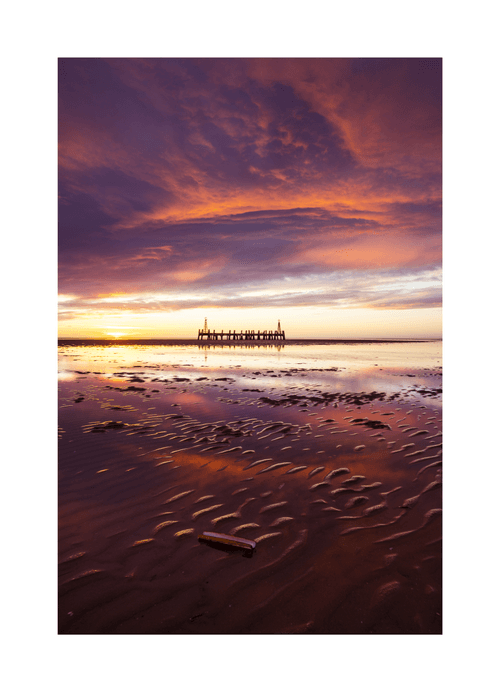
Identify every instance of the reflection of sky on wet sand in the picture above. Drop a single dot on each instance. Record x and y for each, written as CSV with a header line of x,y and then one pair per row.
x,y
137,383
354,358
158,444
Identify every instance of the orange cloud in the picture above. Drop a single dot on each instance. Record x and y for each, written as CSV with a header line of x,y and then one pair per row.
x,y
370,251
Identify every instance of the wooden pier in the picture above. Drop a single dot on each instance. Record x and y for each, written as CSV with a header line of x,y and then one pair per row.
x,y
248,335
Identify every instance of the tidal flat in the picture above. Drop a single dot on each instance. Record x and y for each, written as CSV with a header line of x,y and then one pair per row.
x,y
326,455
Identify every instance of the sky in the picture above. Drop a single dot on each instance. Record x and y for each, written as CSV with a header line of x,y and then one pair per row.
x,y
249,191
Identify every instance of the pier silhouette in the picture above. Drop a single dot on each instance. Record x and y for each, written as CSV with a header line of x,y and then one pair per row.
x,y
248,335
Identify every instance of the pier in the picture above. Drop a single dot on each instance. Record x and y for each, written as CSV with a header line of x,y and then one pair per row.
x,y
248,335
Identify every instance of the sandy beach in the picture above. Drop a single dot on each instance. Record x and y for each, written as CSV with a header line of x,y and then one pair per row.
x,y
327,456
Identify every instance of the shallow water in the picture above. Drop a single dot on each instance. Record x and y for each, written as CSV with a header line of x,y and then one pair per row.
x,y
328,455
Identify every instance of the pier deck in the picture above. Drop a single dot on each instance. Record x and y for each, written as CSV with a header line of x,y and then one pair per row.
x,y
247,335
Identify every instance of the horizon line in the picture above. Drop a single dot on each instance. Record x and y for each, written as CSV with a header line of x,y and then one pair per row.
x,y
195,340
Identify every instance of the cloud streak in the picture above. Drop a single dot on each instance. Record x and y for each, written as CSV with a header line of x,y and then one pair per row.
x,y
394,290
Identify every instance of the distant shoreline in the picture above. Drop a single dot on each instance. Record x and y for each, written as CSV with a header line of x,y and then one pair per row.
x,y
231,344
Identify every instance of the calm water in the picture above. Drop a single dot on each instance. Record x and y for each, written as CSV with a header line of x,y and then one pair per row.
x,y
326,454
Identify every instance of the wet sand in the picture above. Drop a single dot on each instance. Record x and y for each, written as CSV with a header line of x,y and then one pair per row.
x,y
334,470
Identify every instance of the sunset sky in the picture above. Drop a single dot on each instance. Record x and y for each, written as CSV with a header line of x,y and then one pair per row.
x,y
247,191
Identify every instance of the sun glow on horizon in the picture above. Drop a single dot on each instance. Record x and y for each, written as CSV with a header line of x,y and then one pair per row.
x,y
299,322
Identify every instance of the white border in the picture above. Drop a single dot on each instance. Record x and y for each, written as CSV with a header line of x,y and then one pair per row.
x,y
39,33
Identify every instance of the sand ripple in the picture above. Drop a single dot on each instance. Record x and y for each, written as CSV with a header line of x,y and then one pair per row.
x,y
267,536
195,515
178,497
274,466
270,508
164,525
